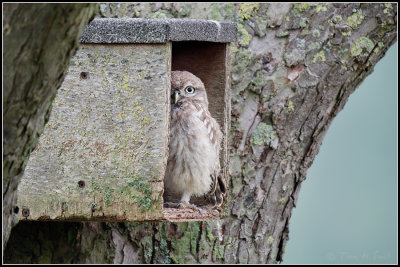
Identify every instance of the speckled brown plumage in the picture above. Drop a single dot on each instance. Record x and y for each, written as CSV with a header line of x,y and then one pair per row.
x,y
195,139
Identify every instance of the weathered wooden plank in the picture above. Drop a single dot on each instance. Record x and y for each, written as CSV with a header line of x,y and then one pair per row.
x,y
150,31
103,152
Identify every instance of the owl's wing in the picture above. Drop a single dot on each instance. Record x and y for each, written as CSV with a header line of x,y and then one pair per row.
x,y
218,189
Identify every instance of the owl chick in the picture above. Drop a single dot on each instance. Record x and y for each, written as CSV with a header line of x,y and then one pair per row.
x,y
193,165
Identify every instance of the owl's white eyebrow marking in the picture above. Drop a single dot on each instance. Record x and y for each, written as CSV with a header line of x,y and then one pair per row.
x,y
189,84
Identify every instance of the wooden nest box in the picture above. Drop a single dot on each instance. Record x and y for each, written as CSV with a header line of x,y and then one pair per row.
x,y
103,153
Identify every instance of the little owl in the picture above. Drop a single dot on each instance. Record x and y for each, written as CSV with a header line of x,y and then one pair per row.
x,y
193,167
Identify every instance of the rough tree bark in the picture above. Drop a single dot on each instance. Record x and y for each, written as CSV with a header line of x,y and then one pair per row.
x,y
39,40
293,69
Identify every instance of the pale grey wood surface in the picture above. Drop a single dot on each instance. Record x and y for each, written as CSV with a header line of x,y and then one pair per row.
x,y
108,128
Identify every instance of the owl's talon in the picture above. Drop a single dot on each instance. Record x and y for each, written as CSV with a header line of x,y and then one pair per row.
x,y
212,201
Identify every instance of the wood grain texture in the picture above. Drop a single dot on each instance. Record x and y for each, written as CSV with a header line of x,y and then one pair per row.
x,y
108,129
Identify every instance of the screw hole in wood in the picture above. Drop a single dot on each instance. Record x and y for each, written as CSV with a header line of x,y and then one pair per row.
x,y
81,184
25,212
16,209
84,75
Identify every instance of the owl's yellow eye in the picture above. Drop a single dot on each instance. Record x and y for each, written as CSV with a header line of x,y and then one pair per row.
x,y
190,90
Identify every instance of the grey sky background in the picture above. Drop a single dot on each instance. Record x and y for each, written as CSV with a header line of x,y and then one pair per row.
x,y
347,208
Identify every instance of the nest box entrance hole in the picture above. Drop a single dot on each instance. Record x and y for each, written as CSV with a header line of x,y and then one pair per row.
x,y
211,63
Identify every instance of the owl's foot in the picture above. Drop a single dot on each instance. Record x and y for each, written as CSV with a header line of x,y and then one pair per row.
x,y
215,200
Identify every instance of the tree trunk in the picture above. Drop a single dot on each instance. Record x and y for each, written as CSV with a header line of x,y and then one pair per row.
x,y
293,69
39,40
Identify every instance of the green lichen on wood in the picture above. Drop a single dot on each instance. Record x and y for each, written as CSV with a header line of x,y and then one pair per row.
x,y
346,32
164,251
145,199
388,8
210,235
316,33
236,185
234,48
138,188
262,24
337,19
290,106
321,8
362,47
300,43
303,23
243,60
185,245
215,12
320,56
248,172
108,195
244,37
258,79
294,57
379,47
263,134
313,46
282,200
160,241
299,8
195,231
218,250
356,18
160,14
247,9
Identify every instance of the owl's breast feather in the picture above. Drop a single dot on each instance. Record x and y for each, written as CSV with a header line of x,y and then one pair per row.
x,y
191,150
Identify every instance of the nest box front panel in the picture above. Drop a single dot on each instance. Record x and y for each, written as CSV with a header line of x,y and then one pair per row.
x,y
102,155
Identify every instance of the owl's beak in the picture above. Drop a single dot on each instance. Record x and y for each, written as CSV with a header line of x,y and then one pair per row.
x,y
177,96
